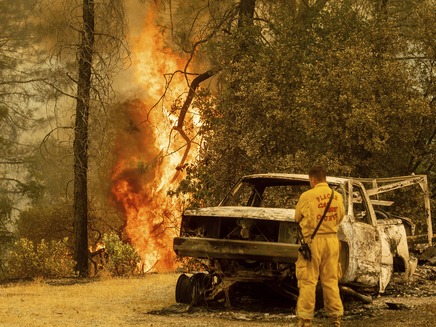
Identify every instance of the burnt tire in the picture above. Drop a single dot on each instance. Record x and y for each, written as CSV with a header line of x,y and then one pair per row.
x,y
183,289
199,284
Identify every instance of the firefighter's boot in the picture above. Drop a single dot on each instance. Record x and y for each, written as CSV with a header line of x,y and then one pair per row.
x,y
304,322
335,321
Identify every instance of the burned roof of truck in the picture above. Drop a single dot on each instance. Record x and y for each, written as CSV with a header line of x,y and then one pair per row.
x,y
275,178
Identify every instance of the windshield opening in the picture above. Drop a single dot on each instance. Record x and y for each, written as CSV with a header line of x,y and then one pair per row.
x,y
260,193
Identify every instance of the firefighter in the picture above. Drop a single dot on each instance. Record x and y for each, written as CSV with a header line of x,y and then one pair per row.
x,y
324,262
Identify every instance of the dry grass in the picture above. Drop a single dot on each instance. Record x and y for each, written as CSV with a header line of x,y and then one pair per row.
x,y
129,302
104,302
110,302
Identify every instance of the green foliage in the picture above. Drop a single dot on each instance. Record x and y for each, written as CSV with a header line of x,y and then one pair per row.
x,y
6,241
6,237
45,259
21,74
123,259
49,222
47,168
345,87
5,210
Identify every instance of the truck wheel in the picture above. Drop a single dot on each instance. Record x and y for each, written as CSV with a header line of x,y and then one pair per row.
x,y
183,290
199,284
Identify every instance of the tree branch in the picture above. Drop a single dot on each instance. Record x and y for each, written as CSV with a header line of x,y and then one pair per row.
x,y
180,122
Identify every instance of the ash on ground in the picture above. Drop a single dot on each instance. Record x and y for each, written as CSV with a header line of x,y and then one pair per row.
x,y
262,305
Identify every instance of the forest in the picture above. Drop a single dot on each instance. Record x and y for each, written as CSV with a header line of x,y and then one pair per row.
x,y
117,115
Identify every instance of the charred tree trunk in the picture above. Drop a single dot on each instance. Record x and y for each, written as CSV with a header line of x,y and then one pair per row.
x,y
85,54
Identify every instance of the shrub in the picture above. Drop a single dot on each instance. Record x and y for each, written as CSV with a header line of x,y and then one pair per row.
x,y
46,259
122,257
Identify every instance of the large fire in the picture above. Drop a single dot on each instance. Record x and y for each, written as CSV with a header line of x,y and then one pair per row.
x,y
148,154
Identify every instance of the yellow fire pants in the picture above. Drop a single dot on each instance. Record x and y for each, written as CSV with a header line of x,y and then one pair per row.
x,y
325,266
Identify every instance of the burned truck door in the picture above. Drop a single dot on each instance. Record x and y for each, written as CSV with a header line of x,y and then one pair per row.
x,y
360,232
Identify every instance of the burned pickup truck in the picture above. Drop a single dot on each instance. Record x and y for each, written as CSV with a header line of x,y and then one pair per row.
x,y
252,237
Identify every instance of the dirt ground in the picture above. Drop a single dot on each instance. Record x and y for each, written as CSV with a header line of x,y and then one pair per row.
x,y
149,301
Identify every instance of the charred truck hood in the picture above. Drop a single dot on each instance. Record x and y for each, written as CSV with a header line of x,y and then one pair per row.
x,y
246,233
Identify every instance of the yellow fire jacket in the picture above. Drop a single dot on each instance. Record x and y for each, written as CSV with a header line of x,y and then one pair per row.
x,y
310,208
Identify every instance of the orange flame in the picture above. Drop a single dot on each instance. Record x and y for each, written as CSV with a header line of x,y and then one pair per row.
x,y
147,158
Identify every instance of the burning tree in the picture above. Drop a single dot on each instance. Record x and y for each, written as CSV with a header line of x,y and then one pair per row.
x,y
163,135
283,75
